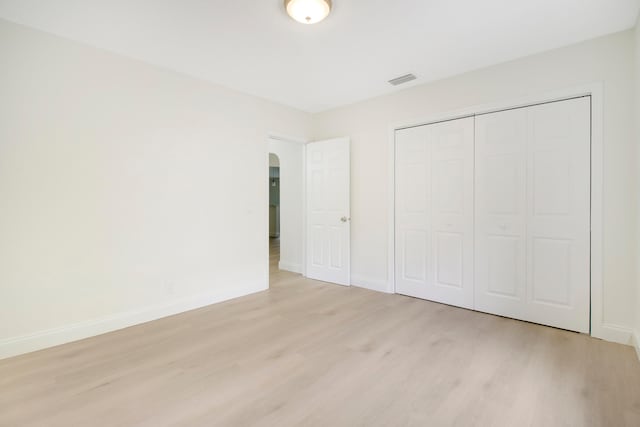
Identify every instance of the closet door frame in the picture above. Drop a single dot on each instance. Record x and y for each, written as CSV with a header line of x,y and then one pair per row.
x,y
598,327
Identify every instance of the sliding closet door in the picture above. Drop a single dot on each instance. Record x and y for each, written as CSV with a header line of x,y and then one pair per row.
x,y
532,249
434,212
500,223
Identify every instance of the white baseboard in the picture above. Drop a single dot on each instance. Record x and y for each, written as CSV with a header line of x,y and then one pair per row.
x,y
614,333
636,342
370,283
52,337
290,266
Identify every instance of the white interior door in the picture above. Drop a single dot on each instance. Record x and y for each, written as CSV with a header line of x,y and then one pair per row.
x,y
434,212
328,211
532,243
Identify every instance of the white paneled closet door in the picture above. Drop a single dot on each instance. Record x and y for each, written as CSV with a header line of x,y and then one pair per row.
x,y
532,226
434,212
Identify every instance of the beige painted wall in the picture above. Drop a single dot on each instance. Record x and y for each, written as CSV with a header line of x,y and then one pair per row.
x,y
637,138
127,192
608,59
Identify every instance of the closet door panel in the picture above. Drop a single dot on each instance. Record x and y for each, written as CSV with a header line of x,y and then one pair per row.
x,y
434,212
500,240
532,213
452,211
558,213
413,196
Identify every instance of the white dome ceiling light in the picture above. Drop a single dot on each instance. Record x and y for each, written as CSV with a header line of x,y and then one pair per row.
x,y
308,11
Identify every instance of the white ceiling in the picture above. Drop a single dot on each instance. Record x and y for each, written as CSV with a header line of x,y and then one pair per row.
x,y
254,47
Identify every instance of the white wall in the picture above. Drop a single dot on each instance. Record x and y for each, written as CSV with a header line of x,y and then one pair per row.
x,y
607,59
637,138
291,193
127,191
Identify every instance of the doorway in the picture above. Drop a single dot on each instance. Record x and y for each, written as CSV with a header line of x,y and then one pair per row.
x,y
285,205
309,208
274,211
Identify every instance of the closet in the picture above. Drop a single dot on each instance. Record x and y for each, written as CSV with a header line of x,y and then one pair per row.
x,y
492,213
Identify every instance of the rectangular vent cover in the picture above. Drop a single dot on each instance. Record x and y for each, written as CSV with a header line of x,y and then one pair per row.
x,y
402,79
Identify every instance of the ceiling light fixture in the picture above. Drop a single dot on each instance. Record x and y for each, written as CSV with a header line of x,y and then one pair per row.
x,y
308,11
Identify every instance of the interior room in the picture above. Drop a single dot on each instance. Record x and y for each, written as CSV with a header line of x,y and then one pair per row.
x,y
320,213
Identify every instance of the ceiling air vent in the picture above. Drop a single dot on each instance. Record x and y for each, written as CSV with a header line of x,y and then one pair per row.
x,y
402,79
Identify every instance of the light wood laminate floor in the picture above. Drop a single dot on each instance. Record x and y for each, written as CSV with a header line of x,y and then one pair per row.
x,y
311,353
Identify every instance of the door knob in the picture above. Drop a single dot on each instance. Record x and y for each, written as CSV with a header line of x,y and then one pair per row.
x,y
345,219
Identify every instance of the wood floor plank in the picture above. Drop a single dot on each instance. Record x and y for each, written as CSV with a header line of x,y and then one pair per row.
x,y
315,354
